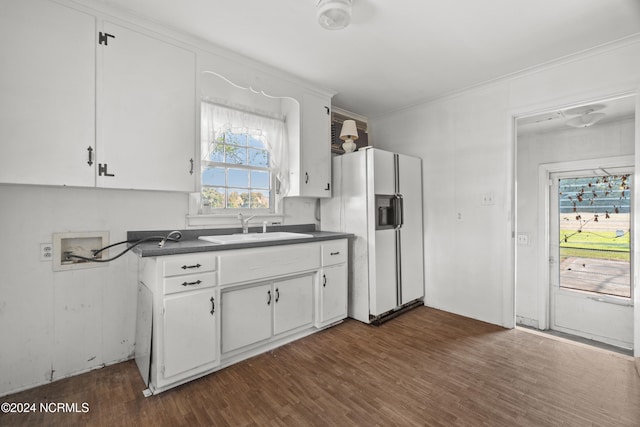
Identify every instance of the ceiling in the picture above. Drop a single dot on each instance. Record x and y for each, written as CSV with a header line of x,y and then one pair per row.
x,y
402,52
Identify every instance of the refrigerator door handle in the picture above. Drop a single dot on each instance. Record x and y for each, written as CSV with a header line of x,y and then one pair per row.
x,y
398,209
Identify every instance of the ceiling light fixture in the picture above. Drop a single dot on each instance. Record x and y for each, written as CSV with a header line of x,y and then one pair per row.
x,y
586,119
334,14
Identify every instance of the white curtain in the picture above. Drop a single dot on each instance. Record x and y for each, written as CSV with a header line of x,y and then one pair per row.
x,y
217,119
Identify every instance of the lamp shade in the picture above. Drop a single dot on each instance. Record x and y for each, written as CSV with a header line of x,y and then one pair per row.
x,y
349,130
334,14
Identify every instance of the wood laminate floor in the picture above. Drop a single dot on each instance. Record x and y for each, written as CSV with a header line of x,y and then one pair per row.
x,y
423,368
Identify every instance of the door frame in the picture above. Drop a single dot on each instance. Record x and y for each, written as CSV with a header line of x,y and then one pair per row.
x,y
544,189
512,115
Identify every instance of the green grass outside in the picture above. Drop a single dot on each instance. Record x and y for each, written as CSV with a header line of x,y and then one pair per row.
x,y
601,244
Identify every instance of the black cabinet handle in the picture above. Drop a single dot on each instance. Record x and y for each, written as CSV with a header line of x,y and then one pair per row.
x,y
184,267
191,170
306,177
90,150
213,306
335,253
269,297
197,282
277,294
324,280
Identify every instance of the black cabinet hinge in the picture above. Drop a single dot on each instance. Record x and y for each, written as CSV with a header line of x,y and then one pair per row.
x,y
102,170
103,38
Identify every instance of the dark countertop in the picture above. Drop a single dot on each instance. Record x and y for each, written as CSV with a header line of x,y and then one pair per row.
x,y
189,243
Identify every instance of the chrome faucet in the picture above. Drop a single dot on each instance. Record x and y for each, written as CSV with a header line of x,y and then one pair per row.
x,y
245,222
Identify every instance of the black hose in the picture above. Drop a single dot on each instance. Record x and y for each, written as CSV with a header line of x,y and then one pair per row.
x,y
134,243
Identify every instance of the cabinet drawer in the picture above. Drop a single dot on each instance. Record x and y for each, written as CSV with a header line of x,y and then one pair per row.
x,y
189,282
334,252
260,263
176,265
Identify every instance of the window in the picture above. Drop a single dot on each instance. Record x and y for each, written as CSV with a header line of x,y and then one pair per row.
x,y
595,224
236,173
242,159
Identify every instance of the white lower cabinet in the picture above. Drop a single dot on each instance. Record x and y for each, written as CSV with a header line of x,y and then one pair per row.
x,y
333,294
246,316
189,331
293,304
208,310
180,314
331,304
258,312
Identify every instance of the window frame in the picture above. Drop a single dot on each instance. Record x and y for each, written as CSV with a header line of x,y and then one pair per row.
x,y
205,164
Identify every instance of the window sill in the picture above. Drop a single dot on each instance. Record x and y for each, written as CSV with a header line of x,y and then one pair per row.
x,y
216,220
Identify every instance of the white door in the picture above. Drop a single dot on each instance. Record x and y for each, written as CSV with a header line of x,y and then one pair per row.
x,y
411,255
246,316
189,331
590,221
293,303
47,94
333,292
315,161
146,113
384,294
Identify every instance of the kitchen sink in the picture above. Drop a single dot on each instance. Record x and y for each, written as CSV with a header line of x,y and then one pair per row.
x,y
253,237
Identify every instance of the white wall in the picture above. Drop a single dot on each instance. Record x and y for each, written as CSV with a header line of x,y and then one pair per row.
x,y
55,324
466,143
58,323
568,144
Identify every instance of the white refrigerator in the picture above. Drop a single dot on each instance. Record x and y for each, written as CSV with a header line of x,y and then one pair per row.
x,y
377,196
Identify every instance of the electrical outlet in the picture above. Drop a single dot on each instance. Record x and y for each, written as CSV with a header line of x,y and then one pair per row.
x,y
46,251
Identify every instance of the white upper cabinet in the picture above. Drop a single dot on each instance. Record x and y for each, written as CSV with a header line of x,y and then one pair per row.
x,y
47,99
310,156
89,100
146,112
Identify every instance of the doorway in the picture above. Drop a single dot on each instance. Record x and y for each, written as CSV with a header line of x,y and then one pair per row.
x,y
577,142
590,254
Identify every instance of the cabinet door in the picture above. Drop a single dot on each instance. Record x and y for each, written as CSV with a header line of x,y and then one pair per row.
x,y
246,316
189,331
333,293
47,87
293,303
146,117
315,150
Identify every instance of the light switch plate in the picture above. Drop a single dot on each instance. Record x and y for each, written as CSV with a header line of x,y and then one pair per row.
x,y
488,199
523,238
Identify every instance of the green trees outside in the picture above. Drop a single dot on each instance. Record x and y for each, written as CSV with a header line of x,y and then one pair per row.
x,y
243,199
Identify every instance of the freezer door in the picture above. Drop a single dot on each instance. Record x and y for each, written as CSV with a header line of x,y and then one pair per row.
x,y
411,232
384,173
